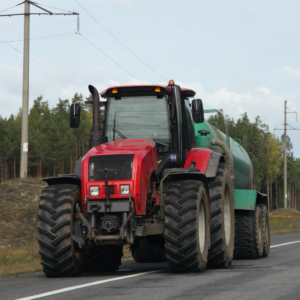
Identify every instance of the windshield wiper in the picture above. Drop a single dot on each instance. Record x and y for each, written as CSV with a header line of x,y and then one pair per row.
x,y
114,130
119,134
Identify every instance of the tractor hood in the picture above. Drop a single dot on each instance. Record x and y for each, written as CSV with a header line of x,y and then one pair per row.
x,y
124,146
127,161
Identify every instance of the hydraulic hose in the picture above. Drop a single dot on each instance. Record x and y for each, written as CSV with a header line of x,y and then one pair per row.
x,y
228,155
166,162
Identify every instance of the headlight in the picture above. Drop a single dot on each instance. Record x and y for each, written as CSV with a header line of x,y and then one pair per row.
x,y
91,171
94,190
124,189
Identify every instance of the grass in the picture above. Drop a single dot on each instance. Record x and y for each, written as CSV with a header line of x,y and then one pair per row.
x,y
18,261
284,221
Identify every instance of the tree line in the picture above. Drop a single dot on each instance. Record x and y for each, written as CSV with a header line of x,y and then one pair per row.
x,y
54,147
266,153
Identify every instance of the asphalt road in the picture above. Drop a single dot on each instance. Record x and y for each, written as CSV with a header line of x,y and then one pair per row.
x,y
274,277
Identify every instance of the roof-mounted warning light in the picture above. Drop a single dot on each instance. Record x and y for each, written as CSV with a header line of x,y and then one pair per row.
x,y
171,82
114,91
157,90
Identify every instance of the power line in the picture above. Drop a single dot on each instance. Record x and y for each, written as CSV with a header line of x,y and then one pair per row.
x,y
54,7
45,37
121,42
188,46
41,64
8,8
109,57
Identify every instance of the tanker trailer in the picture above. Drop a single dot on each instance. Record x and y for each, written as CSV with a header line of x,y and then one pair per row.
x,y
252,230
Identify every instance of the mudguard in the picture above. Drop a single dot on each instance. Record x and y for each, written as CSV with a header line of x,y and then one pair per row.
x,y
248,199
207,161
63,179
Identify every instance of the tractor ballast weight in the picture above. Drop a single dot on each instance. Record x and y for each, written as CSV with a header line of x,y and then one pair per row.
x,y
143,183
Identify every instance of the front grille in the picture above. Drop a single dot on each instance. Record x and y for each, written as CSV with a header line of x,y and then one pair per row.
x,y
119,167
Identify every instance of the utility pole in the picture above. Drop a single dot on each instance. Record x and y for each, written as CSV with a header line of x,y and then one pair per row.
x,y
285,194
284,164
25,95
24,143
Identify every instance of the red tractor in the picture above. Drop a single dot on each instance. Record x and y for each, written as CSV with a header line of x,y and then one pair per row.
x,y
140,185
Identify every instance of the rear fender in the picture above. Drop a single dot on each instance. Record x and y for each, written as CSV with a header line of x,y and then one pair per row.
x,y
207,161
262,199
179,174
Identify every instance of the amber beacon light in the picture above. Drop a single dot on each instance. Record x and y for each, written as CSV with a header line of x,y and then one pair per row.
x,y
114,91
171,81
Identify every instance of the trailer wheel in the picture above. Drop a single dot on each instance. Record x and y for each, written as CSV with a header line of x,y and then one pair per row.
x,y
60,255
248,234
266,230
222,219
148,249
187,226
103,258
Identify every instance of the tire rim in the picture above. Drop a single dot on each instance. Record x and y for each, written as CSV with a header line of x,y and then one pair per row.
x,y
260,229
227,218
267,232
201,227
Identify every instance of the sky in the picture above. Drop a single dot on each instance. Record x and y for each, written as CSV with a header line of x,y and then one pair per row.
x,y
239,56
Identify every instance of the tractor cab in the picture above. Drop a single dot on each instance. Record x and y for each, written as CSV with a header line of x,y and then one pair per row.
x,y
161,113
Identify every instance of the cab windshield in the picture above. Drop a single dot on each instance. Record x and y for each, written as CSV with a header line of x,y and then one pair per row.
x,y
139,117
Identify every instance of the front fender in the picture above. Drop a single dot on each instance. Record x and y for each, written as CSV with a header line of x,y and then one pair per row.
x,y
207,161
63,179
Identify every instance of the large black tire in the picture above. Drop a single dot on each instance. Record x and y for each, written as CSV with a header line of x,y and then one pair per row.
x,y
222,219
148,249
248,234
187,226
60,255
266,230
103,258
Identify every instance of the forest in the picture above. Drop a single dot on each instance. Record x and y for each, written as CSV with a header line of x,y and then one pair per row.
x,y
54,147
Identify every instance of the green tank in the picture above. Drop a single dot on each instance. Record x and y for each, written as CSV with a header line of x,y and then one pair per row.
x,y
243,170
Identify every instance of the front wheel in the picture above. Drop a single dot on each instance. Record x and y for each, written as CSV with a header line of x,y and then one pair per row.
x,y
60,255
187,238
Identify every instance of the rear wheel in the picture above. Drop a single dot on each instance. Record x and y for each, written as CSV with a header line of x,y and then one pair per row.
x,y
248,234
149,249
103,258
266,230
60,255
222,219
187,226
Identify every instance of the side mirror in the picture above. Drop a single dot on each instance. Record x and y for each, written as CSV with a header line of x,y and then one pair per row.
x,y
74,115
197,111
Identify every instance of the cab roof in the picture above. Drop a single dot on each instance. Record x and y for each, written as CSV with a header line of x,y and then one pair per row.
x,y
143,90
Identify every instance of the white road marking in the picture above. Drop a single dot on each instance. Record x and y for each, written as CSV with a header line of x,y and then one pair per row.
x,y
76,287
284,244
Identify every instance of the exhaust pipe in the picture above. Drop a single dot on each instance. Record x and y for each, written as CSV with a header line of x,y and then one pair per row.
x,y
96,137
